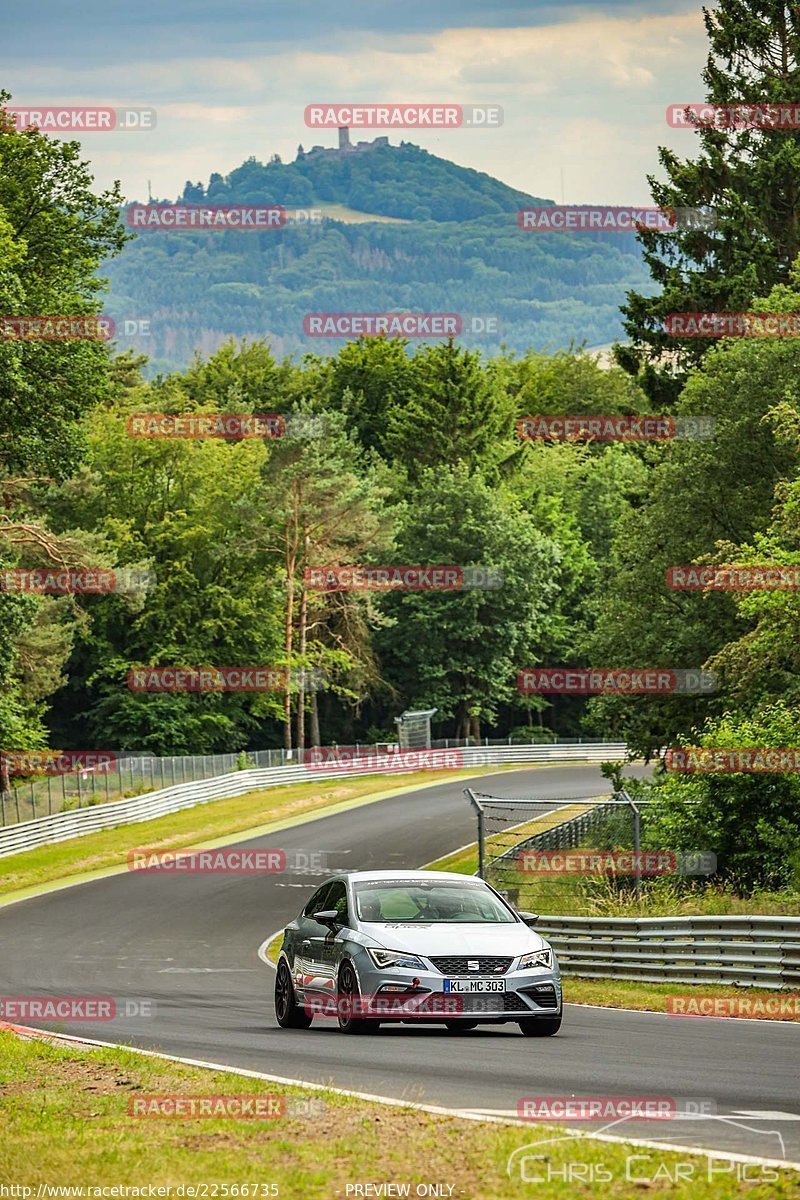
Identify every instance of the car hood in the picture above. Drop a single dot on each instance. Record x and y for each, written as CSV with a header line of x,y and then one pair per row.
x,y
458,938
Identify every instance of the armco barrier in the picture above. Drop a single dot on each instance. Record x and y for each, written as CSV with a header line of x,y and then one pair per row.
x,y
748,951
79,822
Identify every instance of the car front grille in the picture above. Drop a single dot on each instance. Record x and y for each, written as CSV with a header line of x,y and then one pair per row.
x,y
447,1006
460,966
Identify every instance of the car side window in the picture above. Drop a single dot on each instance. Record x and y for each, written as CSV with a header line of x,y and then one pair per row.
x,y
337,898
316,903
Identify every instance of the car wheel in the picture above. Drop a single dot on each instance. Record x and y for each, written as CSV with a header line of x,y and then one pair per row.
x,y
347,1000
540,1026
287,1011
460,1026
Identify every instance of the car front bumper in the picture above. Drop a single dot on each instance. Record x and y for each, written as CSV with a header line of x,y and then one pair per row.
x,y
528,993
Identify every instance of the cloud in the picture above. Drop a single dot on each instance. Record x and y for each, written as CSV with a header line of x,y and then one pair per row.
x,y
585,95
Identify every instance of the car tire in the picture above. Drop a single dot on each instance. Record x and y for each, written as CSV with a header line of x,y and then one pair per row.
x,y
460,1026
348,988
540,1026
288,1013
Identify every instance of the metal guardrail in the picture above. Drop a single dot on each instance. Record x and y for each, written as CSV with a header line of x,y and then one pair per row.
x,y
128,774
747,951
77,823
566,836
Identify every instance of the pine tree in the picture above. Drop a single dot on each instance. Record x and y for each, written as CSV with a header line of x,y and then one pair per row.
x,y
749,178
459,412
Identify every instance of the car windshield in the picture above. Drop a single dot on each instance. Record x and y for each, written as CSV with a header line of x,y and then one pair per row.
x,y
417,901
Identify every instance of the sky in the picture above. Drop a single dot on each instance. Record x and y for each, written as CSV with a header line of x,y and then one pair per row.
x,y
583,86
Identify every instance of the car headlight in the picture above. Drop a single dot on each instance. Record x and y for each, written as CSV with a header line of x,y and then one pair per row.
x,y
539,958
395,958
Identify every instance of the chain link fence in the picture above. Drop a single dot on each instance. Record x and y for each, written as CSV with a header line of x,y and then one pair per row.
x,y
565,856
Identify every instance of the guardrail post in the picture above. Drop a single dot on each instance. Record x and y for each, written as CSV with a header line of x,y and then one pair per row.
x,y
3,806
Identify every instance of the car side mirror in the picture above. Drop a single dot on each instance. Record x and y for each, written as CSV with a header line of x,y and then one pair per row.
x,y
528,917
327,916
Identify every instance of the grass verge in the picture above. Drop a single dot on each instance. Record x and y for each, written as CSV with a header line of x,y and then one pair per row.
x,y
599,896
202,824
66,1122
465,860
621,993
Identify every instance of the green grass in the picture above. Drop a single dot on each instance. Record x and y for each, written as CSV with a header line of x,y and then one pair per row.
x,y
465,860
617,993
65,1120
597,896
196,826
352,216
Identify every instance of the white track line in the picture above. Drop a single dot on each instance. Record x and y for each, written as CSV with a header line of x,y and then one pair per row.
x,y
461,1114
262,949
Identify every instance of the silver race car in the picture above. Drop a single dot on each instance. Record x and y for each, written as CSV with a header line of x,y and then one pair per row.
x,y
415,946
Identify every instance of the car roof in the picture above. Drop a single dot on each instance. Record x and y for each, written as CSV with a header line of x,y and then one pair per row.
x,y
401,873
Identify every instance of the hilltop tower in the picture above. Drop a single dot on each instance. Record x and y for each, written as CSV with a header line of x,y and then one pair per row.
x,y
344,138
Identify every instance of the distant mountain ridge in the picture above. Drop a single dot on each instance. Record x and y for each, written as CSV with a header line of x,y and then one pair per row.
x,y
402,181
434,237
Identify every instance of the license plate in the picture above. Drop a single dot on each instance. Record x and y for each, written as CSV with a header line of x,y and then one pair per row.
x,y
474,985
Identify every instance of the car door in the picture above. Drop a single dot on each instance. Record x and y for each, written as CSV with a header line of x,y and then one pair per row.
x,y
327,955
309,934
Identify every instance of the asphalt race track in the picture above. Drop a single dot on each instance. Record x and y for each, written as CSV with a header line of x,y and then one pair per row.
x,y
189,944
